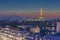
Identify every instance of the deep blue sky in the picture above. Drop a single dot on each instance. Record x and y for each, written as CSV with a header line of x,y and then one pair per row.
x,y
19,4
28,5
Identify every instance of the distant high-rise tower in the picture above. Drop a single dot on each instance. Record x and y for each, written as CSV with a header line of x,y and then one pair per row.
x,y
41,15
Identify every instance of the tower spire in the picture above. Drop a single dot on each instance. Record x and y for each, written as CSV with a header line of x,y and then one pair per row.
x,y
41,15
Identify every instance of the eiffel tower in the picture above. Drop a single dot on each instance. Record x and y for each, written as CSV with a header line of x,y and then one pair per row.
x,y
41,15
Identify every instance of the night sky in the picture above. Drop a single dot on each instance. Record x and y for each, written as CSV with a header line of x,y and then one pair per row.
x,y
51,8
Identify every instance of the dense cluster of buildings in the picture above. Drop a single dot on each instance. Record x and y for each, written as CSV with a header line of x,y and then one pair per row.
x,y
31,29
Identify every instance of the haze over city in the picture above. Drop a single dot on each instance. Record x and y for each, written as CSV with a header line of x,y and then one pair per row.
x,y
30,8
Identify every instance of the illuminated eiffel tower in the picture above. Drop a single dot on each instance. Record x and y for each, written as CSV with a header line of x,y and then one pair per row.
x,y
41,15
